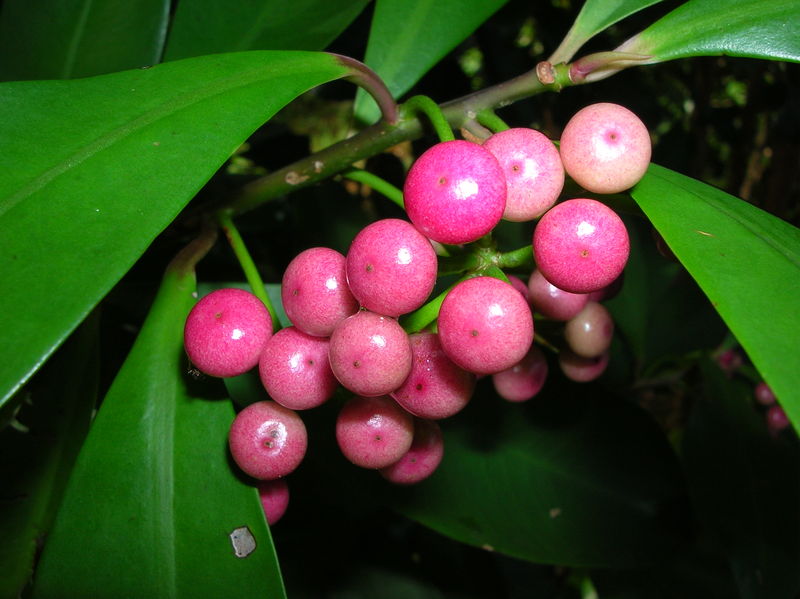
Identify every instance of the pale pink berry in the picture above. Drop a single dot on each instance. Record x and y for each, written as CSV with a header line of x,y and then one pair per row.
x,y
525,379
391,267
589,333
423,457
777,420
370,354
436,387
295,371
605,148
373,432
485,325
267,441
580,369
274,495
552,302
314,291
764,394
455,192
533,171
581,245
225,332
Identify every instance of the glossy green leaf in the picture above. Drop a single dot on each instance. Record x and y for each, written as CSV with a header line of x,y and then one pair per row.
x,y
154,506
744,487
745,260
755,28
408,37
595,16
575,478
36,461
210,26
62,39
95,168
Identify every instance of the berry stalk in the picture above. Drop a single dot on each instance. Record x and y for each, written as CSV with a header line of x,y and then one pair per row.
x,y
377,183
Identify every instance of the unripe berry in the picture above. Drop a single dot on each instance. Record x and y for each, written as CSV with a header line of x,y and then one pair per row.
x,y
370,354
391,267
225,332
525,379
274,495
485,325
267,441
589,333
581,245
373,432
455,192
580,369
314,292
605,148
533,171
422,458
552,302
295,371
436,387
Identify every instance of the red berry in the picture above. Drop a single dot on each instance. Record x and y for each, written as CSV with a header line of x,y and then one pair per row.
x,y
373,432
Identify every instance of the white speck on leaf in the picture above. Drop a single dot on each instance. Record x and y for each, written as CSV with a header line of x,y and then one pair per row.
x,y
243,541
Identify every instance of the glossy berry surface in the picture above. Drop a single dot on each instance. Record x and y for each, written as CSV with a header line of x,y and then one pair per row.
x,y
370,354
267,441
605,148
423,457
581,245
314,291
436,387
391,267
551,301
580,369
274,495
225,332
533,171
455,192
525,379
373,432
485,325
295,371
589,333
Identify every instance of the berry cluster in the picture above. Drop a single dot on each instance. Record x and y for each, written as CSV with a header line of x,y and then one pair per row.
x,y
344,310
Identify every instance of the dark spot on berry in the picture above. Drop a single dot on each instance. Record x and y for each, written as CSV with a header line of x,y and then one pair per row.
x,y
474,333
368,268
413,460
296,292
515,168
419,386
218,315
442,180
584,253
268,444
378,438
311,362
356,364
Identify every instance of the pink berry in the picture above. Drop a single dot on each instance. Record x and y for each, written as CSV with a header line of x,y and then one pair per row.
x,y
295,371
581,245
605,148
225,332
730,361
610,291
589,333
519,285
552,302
267,441
422,458
436,387
580,369
391,267
485,325
314,292
373,432
764,394
274,495
777,420
370,354
455,192
533,170
525,379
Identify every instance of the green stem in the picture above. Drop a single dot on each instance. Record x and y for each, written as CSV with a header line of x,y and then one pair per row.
x,y
426,106
417,320
522,257
491,121
247,264
377,183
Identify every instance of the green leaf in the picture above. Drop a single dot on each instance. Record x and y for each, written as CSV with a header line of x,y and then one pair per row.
x,y
755,28
745,260
595,16
408,37
572,478
744,486
96,168
62,39
35,463
154,503
210,26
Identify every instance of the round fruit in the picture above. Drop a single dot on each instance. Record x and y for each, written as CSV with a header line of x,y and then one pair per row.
x,y
274,495
422,458
373,432
552,302
589,333
525,379
580,369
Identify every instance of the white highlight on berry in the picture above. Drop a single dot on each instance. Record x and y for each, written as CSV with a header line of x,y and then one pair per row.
x,y
466,189
585,229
